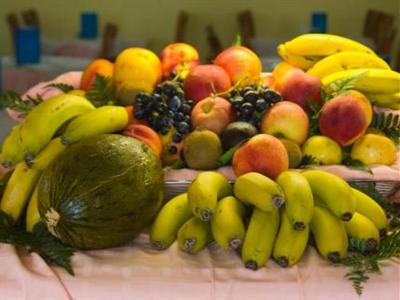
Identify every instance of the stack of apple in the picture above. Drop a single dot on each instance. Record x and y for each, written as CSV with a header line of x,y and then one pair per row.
x,y
281,136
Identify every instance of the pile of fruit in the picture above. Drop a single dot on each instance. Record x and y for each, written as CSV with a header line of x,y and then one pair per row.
x,y
260,217
88,162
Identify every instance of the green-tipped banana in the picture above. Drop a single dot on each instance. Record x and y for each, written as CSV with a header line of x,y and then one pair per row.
x,y
299,201
227,225
18,190
168,221
32,212
333,191
105,119
48,154
329,234
259,239
290,244
205,191
362,228
194,235
12,151
258,190
368,207
44,120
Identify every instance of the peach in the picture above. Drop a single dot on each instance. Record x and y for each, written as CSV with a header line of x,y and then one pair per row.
x,y
146,135
99,66
263,153
204,80
345,118
242,65
286,120
297,86
212,113
178,58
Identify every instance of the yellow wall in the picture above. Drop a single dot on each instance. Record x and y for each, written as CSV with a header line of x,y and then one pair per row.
x,y
155,19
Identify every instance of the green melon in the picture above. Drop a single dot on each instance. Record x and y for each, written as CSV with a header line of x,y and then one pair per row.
x,y
101,192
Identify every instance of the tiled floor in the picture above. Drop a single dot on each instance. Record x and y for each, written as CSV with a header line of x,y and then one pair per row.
x,y
6,123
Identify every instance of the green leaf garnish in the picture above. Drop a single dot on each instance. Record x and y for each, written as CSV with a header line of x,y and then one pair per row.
x,y
14,101
389,124
356,164
100,92
226,157
345,84
65,88
308,161
179,164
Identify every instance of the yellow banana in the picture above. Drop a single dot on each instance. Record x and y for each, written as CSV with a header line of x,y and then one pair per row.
x,y
259,238
258,190
290,244
347,60
32,212
204,192
329,234
47,154
373,81
227,225
298,61
171,217
368,207
12,151
385,100
362,228
105,119
320,44
333,191
299,198
194,235
44,120
18,190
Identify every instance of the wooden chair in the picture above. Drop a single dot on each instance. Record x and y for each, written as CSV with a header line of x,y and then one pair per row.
x,y
13,25
108,41
213,42
380,27
31,18
181,27
246,27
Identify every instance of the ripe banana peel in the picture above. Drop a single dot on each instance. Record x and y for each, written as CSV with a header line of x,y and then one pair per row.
x,y
194,235
48,154
259,239
32,212
290,244
368,207
347,60
298,61
316,44
370,81
45,119
204,192
171,217
258,190
227,223
333,191
105,119
385,100
362,228
18,190
329,234
12,151
299,202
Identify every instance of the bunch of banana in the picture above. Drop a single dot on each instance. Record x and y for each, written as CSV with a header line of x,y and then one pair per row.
x,y
32,141
307,50
283,214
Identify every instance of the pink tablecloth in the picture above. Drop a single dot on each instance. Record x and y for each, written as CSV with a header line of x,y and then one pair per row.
x,y
138,272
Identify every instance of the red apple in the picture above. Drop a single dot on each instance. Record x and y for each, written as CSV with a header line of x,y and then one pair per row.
x,y
178,57
242,64
203,80
212,113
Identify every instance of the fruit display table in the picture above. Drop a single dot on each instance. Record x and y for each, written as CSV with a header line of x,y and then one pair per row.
x,y
137,271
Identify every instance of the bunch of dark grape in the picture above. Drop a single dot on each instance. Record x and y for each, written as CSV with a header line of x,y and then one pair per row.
x,y
165,108
251,102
